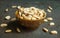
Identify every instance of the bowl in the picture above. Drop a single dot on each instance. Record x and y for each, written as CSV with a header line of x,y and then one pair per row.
x,y
30,24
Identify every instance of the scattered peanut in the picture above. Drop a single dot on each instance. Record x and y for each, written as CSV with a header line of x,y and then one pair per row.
x,y
18,7
3,25
49,18
48,10
7,17
54,32
52,23
14,6
18,30
8,30
50,7
6,10
45,29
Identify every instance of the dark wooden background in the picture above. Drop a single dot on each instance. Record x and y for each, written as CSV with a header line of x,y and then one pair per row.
x,y
38,33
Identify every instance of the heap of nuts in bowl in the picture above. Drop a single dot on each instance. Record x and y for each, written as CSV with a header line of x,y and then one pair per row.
x,y
31,13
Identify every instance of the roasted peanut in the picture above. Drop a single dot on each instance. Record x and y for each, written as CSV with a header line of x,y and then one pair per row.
x,y
3,25
54,32
18,30
49,18
8,30
45,29
52,23
7,17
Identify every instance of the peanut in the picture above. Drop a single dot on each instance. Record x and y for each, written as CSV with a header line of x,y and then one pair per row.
x,y
54,32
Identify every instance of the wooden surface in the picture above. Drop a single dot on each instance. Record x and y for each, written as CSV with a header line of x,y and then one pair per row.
x,y
38,33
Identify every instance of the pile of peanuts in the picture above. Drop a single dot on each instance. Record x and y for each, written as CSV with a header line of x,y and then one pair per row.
x,y
31,13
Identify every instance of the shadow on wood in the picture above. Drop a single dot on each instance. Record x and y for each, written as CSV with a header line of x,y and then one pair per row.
x,y
13,25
